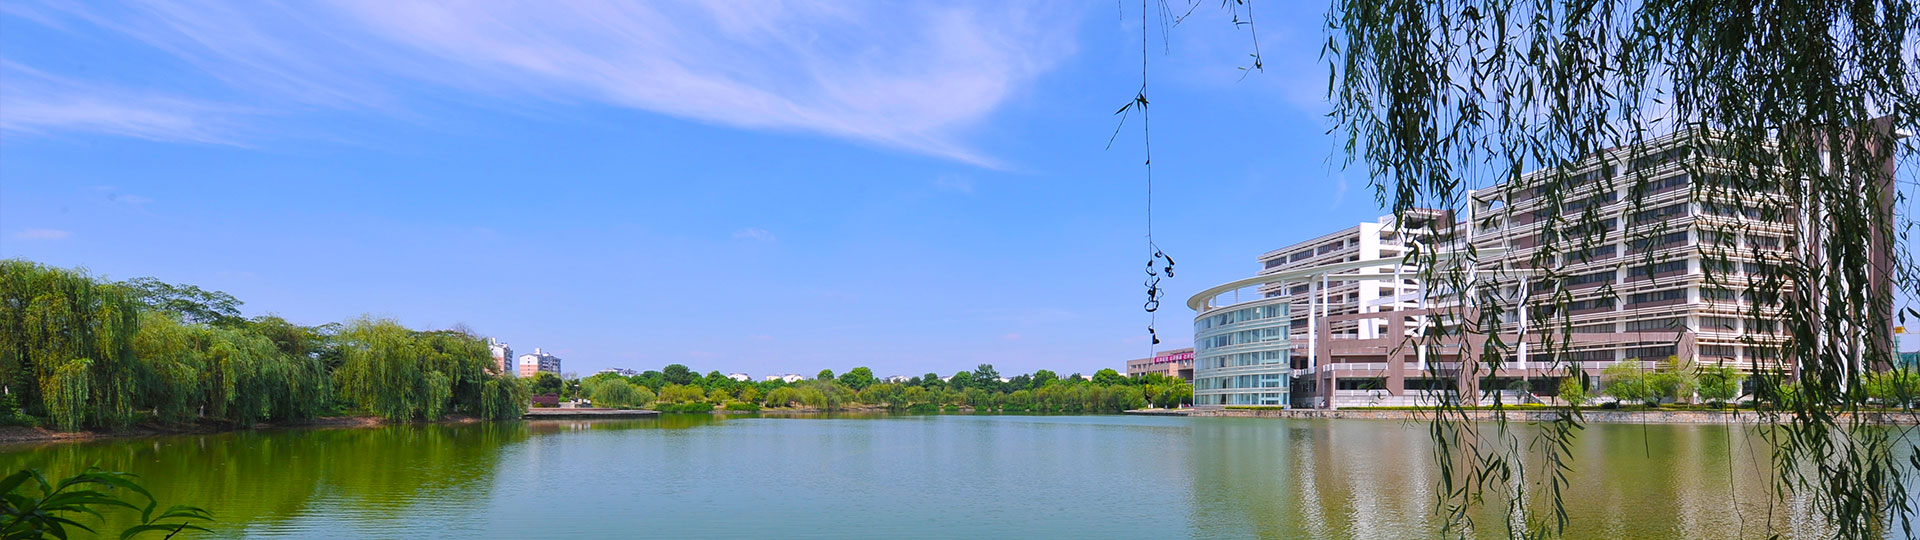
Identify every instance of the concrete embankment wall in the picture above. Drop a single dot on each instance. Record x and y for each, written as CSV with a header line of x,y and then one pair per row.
x,y
1526,415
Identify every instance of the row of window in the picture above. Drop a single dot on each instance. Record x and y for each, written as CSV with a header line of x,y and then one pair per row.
x,y
1256,313
1241,338
1660,214
1657,242
1254,358
1235,382
1657,296
1651,270
1749,211
1657,325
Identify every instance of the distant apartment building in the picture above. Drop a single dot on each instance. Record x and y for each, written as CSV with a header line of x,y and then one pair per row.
x,y
501,355
537,362
787,378
898,379
1173,363
1665,283
623,372
742,377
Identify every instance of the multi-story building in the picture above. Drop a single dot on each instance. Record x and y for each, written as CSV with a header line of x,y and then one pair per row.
x,y
1384,240
623,372
501,353
1242,355
1173,363
1656,270
742,377
787,378
1663,259
537,362
1324,287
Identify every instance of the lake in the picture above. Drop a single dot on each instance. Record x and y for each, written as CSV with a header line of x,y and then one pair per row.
x,y
913,476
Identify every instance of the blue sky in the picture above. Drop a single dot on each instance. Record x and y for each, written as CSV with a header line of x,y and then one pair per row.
x,y
761,187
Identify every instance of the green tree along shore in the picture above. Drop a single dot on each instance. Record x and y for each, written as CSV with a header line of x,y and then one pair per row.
x,y
677,388
78,352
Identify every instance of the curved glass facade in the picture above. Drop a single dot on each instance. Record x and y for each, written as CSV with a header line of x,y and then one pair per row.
x,y
1241,354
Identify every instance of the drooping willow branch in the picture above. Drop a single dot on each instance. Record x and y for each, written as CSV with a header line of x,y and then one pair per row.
x,y
1787,113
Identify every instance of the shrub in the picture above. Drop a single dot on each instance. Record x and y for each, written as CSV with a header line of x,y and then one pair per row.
x,y
694,407
1625,382
1573,390
743,406
1719,384
1897,388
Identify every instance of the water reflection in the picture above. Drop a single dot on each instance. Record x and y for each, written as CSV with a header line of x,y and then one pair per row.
x,y
871,475
259,481
1375,479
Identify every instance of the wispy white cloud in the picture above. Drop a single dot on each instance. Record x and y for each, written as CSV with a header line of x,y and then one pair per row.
x,y
35,102
911,76
42,234
754,233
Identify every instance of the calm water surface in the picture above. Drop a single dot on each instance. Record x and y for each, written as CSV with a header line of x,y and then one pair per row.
x,y
938,476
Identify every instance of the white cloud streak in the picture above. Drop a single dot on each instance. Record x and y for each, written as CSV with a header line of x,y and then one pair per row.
x,y
911,76
42,234
33,102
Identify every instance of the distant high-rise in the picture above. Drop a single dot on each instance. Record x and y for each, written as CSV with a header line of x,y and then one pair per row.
x,y
538,362
501,352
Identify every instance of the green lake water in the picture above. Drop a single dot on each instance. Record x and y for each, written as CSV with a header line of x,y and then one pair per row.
x,y
933,476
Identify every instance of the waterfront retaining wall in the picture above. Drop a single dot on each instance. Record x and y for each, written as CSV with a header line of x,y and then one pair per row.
x,y
1527,415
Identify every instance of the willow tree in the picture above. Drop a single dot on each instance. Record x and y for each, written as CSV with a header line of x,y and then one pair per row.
x,y
400,374
66,345
1804,99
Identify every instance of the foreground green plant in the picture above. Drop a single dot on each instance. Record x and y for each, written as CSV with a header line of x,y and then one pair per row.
x,y
41,509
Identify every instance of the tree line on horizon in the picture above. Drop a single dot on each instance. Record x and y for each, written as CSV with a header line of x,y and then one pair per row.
x,y
677,388
81,352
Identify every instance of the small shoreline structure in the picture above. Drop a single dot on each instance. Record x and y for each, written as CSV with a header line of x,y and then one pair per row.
x,y
540,413
1528,414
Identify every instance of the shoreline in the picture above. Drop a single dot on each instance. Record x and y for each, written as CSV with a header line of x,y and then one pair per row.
x,y
1587,415
23,435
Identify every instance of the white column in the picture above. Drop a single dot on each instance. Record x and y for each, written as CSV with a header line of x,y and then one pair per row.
x,y
1313,333
1420,348
1523,326
1324,311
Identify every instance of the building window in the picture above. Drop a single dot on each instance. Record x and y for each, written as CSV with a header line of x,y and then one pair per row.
x,y
1602,355
1657,296
1759,241
1657,242
1651,270
1659,214
1657,325
1719,324
1591,254
1657,353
